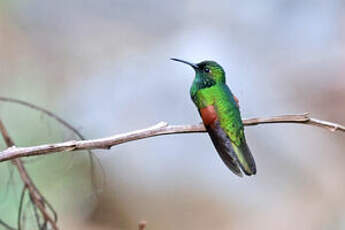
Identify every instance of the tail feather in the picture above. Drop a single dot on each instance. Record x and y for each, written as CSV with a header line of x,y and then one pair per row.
x,y
223,146
234,157
245,158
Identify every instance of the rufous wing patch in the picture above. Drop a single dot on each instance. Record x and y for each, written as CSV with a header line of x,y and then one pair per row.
x,y
237,101
208,114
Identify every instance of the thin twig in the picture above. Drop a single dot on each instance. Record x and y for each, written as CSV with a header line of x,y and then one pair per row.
x,y
159,129
36,197
142,225
21,202
45,111
6,226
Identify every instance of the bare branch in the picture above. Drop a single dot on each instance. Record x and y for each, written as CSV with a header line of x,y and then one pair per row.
x,y
36,197
159,129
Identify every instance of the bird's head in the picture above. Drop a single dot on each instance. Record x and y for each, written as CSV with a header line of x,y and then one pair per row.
x,y
210,72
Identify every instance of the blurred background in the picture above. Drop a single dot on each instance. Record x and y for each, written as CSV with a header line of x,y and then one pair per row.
x,y
104,67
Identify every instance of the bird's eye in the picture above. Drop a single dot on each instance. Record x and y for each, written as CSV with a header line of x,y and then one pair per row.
x,y
207,70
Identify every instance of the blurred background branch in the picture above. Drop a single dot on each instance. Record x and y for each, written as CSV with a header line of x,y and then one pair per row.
x,y
38,201
60,120
142,225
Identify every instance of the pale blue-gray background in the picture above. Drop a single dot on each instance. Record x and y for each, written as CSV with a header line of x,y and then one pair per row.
x,y
104,66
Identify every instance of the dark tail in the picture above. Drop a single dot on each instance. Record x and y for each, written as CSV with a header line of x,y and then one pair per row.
x,y
245,158
224,148
234,157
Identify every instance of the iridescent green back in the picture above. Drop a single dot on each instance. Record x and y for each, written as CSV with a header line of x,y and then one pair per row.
x,y
226,107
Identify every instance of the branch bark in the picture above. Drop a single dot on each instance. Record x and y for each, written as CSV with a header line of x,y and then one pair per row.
x,y
159,129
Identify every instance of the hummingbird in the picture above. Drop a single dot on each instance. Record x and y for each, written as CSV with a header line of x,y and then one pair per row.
x,y
220,113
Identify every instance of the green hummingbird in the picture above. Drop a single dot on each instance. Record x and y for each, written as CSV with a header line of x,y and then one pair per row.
x,y
220,113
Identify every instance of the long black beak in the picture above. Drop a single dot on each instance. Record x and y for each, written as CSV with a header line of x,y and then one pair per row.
x,y
195,66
